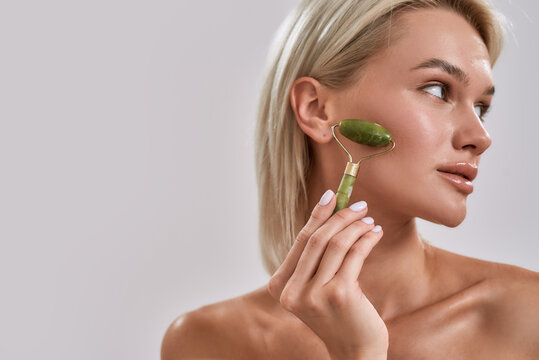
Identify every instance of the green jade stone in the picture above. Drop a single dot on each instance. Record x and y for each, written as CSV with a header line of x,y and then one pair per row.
x,y
365,132
344,192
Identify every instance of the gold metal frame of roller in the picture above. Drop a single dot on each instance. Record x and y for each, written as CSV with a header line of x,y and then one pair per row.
x,y
351,167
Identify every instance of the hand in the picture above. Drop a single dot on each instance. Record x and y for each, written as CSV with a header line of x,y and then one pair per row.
x,y
318,281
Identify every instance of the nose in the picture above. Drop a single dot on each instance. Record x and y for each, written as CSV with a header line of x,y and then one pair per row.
x,y
470,134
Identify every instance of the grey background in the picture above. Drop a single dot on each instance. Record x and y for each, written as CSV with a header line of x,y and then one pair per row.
x,y
127,187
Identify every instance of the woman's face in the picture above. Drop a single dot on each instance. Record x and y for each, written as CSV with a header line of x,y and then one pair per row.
x,y
433,112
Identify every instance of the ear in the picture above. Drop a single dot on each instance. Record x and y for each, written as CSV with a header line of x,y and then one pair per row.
x,y
308,100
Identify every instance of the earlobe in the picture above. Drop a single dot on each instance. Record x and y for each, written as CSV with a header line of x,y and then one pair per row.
x,y
308,100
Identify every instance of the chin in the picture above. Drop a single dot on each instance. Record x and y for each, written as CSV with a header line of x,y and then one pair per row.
x,y
454,221
450,216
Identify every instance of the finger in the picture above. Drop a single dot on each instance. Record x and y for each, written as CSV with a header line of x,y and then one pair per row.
x,y
353,262
321,212
338,247
316,246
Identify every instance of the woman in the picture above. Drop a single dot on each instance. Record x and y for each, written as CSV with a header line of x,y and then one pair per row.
x,y
363,284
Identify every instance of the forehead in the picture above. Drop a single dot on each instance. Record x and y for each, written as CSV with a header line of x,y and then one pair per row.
x,y
436,33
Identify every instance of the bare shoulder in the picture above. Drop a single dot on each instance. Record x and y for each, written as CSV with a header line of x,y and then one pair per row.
x,y
512,298
500,279
516,311
192,335
221,330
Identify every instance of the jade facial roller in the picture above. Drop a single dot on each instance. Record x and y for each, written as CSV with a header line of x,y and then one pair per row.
x,y
361,132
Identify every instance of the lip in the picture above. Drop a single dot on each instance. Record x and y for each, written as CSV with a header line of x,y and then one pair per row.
x,y
464,169
460,175
461,183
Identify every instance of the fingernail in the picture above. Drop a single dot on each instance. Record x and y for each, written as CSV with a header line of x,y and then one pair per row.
x,y
326,198
360,205
377,228
368,220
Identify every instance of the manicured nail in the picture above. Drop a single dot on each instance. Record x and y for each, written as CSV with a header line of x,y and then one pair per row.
x,y
326,198
360,205
377,228
368,220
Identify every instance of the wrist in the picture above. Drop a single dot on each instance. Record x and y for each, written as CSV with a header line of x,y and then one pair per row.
x,y
373,357
379,355
364,356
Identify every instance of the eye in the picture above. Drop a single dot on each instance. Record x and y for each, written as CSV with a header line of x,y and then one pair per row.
x,y
441,91
438,90
481,111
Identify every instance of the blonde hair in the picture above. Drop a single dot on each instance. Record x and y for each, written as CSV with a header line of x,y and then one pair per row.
x,y
330,41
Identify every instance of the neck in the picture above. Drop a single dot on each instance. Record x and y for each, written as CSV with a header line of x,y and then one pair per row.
x,y
396,275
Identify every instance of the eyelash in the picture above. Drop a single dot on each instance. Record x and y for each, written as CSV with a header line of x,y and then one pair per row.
x,y
446,90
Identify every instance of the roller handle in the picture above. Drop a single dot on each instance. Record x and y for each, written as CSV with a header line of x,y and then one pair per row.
x,y
344,192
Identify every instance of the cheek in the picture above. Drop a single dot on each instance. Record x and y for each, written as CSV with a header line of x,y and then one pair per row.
x,y
418,137
406,114
408,174
418,133
406,179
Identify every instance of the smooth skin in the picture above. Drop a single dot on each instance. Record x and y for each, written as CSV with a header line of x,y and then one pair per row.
x,y
434,304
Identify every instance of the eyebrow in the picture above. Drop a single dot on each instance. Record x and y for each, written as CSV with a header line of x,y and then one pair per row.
x,y
452,70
